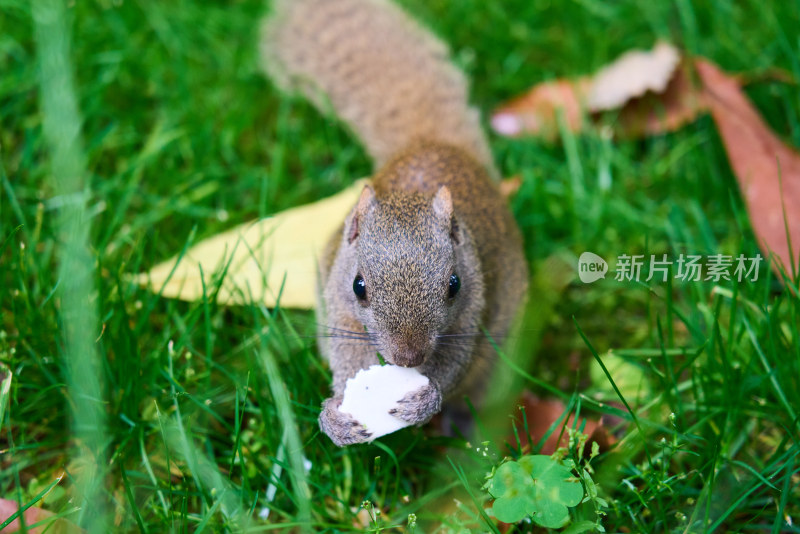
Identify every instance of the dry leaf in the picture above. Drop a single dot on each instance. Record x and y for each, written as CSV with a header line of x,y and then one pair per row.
x,y
768,170
541,413
262,257
536,112
680,103
653,92
32,516
631,76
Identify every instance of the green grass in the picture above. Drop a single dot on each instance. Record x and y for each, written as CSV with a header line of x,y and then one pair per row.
x,y
205,416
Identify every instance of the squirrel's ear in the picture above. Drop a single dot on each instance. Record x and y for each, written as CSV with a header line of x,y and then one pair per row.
x,y
443,208
443,204
365,203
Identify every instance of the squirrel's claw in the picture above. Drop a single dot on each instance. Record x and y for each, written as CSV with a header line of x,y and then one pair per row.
x,y
341,427
420,405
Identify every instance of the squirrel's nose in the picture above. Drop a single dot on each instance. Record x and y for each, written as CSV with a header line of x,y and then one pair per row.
x,y
409,358
409,349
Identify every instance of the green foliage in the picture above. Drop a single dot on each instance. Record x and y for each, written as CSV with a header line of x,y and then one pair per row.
x,y
537,486
545,488
183,138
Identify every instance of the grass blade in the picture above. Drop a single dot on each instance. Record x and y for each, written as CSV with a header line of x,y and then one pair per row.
x,y
294,446
61,124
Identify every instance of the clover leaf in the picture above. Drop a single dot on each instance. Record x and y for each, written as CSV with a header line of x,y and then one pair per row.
x,y
537,486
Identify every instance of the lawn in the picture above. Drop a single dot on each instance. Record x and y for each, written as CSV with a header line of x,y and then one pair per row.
x,y
124,411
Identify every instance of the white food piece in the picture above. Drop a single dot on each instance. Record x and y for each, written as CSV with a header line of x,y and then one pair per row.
x,y
370,395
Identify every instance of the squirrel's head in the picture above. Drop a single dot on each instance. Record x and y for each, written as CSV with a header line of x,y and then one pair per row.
x,y
413,272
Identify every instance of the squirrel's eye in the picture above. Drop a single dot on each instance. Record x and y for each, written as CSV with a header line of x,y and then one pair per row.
x,y
455,285
360,287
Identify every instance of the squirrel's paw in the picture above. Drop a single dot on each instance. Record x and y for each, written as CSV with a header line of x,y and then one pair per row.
x,y
341,427
420,405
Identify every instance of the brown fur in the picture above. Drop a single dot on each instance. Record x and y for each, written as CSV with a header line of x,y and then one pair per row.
x,y
432,211
376,69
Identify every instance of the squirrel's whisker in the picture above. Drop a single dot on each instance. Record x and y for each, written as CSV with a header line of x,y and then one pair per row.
x,y
335,329
361,340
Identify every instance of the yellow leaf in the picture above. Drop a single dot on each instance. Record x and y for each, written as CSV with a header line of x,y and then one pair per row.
x,y
268,259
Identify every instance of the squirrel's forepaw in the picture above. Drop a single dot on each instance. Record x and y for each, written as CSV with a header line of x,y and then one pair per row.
x,y
420,405
341,427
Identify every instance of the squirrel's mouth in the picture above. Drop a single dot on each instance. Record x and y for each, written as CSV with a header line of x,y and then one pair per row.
x,y
409,360
408,356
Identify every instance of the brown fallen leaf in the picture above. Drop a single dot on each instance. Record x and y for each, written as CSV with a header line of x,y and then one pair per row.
x,y
655,93
651,89
681,102
32,516
536,112
767,169
541,413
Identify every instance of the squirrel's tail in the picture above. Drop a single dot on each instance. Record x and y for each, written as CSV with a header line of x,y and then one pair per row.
x,y
377,69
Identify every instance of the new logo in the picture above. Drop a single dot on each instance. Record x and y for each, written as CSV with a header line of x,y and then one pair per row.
x,y
591,267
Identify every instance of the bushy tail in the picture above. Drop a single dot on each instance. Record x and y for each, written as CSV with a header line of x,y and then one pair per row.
x,y
376,68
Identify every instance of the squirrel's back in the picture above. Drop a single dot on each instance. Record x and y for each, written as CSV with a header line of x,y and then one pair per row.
x,y
375,68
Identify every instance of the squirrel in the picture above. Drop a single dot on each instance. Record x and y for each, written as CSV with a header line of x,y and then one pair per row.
x,y
430,257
